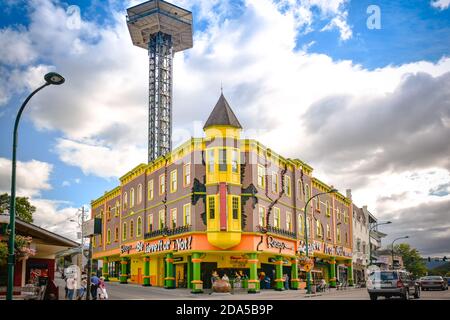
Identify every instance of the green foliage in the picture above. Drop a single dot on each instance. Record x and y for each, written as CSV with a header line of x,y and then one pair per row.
x,y
412,259
22,248
3,253
24,209
443,270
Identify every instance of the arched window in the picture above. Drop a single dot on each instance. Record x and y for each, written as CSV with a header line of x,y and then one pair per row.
x,y
108,236
132,198
117,211
125,201
318,203
131,229
301,222
116,234
139,194
139,227
307,193
124,231
328,209
318,228
300,189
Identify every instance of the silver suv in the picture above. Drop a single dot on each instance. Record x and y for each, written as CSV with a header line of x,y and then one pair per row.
x,y
391,283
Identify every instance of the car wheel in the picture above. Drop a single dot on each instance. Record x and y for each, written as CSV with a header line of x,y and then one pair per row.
x,y
373,296
406,295
417,293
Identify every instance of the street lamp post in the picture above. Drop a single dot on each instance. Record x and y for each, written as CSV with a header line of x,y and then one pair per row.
x,y
308,274
370,245
405,237
50,78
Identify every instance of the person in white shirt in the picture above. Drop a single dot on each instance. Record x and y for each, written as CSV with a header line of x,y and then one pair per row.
x,y
71,286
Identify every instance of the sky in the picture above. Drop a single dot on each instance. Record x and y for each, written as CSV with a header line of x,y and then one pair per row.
x,y
358,89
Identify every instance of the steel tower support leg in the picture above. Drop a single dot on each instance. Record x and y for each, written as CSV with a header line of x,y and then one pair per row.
x,y
160,52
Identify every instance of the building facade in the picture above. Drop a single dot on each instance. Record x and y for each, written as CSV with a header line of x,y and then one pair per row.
x,y
226,204
361,243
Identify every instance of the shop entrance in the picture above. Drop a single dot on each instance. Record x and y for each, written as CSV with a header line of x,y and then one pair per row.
x,y
207,269
181,275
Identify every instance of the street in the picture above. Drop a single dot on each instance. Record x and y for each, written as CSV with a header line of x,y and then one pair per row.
x,y
117,291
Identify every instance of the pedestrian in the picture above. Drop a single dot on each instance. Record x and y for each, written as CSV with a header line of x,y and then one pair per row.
x,y
225,278
95,281
102,287
71,286
267,282
83,286
286,281
237,280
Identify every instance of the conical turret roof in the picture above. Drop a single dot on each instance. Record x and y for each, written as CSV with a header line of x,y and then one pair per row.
x,y
222,115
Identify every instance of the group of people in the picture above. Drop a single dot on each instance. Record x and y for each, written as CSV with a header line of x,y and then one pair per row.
x,y
265,281
97,289
236,280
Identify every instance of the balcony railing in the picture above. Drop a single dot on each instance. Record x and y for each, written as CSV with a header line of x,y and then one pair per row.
x,y
281,232
167,232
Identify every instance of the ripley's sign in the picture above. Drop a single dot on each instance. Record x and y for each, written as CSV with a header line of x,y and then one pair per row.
x,y
160,245
277,244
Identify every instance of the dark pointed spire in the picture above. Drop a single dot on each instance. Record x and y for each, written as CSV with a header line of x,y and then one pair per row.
x,y
222,115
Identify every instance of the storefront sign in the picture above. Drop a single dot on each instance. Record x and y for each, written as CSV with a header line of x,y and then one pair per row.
x,y
163,245
329,250
238,261
277,244
126,248
340,251
312,246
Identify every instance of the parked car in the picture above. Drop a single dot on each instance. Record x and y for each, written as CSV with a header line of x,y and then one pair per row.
x,y
433,282
392,283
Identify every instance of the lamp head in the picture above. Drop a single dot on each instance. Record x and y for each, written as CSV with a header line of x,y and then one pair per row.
x,y
54,78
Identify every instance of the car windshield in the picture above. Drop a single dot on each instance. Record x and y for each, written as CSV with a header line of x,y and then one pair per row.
x,y
432,278
383,275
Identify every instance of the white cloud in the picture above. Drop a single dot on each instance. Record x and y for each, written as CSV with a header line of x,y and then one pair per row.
x,y
441,4
31,177
65,183
16,48
99,160
56,217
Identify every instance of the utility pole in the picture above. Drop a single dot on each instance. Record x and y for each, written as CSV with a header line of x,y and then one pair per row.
x,y
88,289
82,239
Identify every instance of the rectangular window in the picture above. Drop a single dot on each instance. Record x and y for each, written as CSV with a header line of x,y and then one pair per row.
x,y
345,217
223,160
93,242
261,176
124,231
328,231
162,219
287,185
262,216
173,181
116,234
187,175
338,235
328,209
274,182
276,218
173,218
235,207
187,214
211,207
150,190
210,159
108,236
150,223
234,161
162,184
288,221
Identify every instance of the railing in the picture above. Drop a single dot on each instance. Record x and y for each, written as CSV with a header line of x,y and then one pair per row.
x,y
281,232
167,232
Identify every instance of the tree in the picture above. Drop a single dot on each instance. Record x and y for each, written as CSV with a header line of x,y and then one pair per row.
x,y
24,209
411,259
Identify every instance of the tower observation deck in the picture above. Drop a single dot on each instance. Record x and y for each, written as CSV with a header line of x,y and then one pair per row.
x,y
163,29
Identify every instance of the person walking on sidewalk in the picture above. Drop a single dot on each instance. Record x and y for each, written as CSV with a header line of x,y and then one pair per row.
x,y
95,281
102,289
71,286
